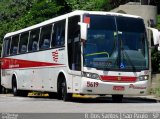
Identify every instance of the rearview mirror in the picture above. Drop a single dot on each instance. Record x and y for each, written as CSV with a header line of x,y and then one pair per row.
x,y
156,36
84,27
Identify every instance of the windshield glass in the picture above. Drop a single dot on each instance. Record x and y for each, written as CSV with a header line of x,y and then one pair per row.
x,y
115,43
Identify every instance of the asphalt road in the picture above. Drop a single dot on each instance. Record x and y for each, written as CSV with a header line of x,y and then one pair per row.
x,y
9,103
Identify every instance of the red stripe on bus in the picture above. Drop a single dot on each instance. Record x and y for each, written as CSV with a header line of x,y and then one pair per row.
x,y
9,63
118,78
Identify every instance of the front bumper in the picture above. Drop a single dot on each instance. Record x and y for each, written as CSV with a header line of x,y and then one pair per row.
x,y
93,86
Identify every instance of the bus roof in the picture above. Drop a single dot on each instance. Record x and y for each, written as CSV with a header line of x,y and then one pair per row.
x,y
77,12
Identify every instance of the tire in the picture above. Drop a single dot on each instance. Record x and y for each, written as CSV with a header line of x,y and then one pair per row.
x,y
17,92
3,90
65,96
117,98
14,88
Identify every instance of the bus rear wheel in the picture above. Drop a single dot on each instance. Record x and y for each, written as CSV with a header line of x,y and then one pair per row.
x,y
3,90
17,92
117,98
14,87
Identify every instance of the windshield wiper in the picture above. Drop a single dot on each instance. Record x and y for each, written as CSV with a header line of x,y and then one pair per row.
x,y
121,52
128,58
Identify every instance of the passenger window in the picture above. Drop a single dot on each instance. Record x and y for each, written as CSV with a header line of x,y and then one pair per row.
x,y
14,45
58,36
33,41
45,37
23,42
6,46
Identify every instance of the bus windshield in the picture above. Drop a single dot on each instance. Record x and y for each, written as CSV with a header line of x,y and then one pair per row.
x,y
115,43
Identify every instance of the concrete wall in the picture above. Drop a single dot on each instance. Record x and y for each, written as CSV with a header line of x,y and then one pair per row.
x,y
147,12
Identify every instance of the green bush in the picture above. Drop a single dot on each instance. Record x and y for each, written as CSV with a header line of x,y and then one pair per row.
x,y
155,53
96,5
155,59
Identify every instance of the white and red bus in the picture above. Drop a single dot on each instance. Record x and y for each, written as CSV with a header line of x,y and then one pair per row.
x,y
81,52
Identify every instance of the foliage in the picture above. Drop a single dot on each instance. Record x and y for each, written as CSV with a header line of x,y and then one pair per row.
x,y
18,14
97,5
40,11
155,59
158,22
155,54
10,11
155,91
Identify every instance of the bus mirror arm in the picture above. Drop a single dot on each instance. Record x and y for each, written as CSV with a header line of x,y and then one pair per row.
x,y
83,27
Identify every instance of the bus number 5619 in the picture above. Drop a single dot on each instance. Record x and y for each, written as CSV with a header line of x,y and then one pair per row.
x,y
92,84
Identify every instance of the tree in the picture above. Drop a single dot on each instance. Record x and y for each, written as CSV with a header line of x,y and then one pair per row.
x,y
96,5
18,14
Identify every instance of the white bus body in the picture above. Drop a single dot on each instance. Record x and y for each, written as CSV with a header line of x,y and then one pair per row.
x,y
67,58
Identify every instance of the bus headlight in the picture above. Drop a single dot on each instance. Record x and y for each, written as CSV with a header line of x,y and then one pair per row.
x,y
90,75
142,78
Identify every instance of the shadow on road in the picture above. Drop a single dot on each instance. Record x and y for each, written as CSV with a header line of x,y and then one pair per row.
x,y
102,100
109,100
105,99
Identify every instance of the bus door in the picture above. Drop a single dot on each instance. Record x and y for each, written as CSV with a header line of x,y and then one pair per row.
x,y
74,51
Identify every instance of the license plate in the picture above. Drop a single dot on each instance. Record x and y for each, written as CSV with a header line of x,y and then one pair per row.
x,y
118,88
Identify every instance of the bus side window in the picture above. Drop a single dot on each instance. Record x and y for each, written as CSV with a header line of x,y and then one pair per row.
x,y
14,45
58,36
33,40
6,46
23,42
45,37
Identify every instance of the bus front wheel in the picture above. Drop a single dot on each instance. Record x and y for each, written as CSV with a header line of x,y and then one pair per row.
x,y
62,89
65,95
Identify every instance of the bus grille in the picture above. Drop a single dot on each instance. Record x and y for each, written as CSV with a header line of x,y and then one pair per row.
x,y
118,78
